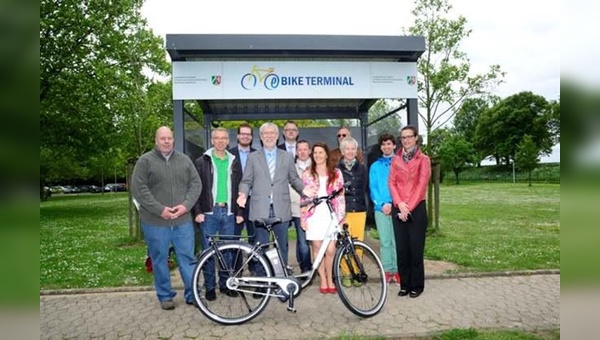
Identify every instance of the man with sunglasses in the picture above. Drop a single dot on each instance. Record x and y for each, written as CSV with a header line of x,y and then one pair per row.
x,y
336,154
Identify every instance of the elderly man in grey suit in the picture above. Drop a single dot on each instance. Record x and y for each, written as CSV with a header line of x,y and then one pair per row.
x,y
269,173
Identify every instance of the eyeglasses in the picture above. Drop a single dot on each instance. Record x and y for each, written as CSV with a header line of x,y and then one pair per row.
x,y
342,135
288,130
244,134
406,137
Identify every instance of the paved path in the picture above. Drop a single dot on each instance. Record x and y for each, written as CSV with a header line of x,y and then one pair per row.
x,y
527,302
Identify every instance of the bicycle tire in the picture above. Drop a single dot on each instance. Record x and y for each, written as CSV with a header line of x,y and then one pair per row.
x,y
228,310
366,294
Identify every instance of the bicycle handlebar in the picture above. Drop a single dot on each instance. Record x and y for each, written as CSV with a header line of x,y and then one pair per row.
x,y
316,200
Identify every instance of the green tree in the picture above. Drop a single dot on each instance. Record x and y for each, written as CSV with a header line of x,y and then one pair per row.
x,y
554,120
93,58
456,153
445,76
501,128
528,156
467,116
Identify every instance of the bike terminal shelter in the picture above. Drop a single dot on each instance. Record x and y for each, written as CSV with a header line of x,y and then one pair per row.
x,y
290,77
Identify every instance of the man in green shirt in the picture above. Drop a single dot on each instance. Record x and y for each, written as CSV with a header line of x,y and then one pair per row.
x,y
216,210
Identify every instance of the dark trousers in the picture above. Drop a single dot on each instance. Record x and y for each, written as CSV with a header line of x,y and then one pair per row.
x,y
281,233
410,245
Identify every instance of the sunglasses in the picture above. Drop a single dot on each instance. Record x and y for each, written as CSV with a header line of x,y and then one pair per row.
x,y
342,135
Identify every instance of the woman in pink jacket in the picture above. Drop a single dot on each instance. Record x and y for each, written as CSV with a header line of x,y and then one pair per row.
x,y
409,175
325,178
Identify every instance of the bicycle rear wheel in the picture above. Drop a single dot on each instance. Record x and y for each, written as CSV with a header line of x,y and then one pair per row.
x,y
213,270
360,279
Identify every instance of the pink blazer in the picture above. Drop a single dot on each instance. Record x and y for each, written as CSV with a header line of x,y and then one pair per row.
x,y
339,203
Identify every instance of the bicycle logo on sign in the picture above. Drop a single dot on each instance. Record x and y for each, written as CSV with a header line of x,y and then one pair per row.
x,y
265,76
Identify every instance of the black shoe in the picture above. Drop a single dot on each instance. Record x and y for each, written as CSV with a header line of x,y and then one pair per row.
x,y
403,292
228,292
211,295
414,294
192,303
257,295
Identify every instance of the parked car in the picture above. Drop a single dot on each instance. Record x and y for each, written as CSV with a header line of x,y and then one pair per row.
x,y
90,188
113,187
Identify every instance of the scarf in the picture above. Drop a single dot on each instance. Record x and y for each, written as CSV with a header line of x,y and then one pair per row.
x,y
349,164
408,155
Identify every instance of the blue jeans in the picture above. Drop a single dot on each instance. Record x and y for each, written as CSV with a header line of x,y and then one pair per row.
x,y
222,224
281,233
159,240
249,225
302,248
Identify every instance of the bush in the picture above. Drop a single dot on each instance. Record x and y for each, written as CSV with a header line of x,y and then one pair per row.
x,y
545,173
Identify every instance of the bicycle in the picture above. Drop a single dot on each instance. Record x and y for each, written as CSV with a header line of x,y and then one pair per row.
x,y
261,274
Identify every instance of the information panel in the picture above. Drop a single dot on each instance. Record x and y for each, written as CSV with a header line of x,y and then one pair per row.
x,y
293,80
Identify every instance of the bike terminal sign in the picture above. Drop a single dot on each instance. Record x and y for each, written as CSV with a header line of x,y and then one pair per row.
x,y
293,80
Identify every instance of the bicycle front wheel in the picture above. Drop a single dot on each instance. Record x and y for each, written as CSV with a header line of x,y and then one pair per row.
x,y
214,269
359,278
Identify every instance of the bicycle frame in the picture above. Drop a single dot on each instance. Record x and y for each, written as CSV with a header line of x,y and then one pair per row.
x,y
257,264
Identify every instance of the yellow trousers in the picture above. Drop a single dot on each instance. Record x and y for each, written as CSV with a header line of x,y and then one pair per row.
x,y
356,226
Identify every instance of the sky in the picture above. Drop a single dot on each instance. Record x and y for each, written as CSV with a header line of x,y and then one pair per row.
x,y
522,36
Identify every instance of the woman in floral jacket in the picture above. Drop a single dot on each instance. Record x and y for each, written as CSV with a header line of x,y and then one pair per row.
x,y
325,178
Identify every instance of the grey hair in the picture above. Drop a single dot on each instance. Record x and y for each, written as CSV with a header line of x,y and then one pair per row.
x,y
268,125
221,129
348,140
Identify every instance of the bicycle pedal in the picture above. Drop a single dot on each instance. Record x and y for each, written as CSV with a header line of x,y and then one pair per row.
x,y
293,310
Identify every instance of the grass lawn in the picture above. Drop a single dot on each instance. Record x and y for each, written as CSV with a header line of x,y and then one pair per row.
x,y
498,226
84,242
484,227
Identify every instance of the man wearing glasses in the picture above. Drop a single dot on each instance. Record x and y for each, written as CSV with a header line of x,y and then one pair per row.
x,y
336,154
290,137
269,173
241,152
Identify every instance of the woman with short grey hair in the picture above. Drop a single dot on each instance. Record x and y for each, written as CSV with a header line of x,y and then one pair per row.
x,y
356,195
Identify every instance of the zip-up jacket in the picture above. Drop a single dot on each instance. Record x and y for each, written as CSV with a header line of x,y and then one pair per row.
x,y
206,170
356,194
408,181
378,182
158,183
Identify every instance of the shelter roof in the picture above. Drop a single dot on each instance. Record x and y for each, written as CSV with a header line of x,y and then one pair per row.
x,y
248,47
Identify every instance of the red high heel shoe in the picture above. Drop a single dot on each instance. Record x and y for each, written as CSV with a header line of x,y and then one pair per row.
x,y
332,290
324,290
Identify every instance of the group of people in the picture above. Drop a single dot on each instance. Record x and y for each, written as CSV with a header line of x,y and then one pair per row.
x,y
225,190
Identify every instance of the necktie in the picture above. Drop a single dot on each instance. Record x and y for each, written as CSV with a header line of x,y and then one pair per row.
x,y
292,149
271,164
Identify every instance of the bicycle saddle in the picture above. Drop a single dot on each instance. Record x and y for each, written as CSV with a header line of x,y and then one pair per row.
x,y
263,222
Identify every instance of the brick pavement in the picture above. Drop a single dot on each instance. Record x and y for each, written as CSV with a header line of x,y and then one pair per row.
x,y
526,302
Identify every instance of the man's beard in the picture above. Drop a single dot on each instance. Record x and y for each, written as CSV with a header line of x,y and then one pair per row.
x,y
243,145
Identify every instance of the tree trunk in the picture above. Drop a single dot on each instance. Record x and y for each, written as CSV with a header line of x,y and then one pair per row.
x,y
133,215
433,199
436,199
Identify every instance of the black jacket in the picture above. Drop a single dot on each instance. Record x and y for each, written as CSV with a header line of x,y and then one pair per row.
x,y
356,195
205,168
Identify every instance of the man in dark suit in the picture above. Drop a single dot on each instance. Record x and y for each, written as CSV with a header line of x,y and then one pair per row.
x,y
290,137
269,172
241,152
